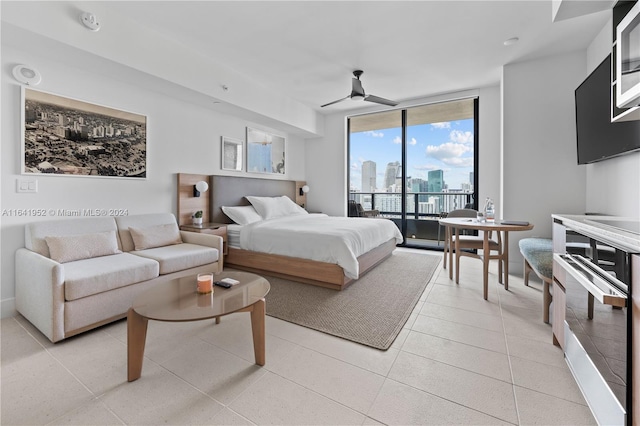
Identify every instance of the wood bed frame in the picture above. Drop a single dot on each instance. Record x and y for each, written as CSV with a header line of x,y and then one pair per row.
x,y
231,190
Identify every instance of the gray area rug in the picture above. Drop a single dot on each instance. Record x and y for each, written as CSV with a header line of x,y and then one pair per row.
x,y
371,311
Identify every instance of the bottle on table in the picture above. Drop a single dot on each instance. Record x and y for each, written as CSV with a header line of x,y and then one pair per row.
x,y
489,210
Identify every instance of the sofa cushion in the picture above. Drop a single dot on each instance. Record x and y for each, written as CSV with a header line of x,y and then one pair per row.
x,y
139,221
155,236
35,232
99,274
84,246
180,256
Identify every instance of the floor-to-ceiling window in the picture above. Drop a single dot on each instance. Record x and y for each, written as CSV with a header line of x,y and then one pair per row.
x,y
414,165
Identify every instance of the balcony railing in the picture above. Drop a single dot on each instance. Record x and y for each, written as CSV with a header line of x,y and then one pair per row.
x,y
430,204
422,222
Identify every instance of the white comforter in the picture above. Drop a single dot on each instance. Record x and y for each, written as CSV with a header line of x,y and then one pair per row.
x,y
338,240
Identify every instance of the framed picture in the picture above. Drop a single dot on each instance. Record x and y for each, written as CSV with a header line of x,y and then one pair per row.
x,y
67,137
232,154
265,152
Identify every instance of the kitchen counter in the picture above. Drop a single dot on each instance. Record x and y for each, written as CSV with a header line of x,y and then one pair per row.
x,y
619,232
600,287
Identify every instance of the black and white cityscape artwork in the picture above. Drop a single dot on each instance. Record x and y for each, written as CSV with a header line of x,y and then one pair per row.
x,y
65,136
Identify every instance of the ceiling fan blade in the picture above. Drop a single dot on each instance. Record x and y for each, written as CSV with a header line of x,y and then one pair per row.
x,y
335,102
379,100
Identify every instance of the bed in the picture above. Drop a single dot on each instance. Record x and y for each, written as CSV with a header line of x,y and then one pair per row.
x,y
302,247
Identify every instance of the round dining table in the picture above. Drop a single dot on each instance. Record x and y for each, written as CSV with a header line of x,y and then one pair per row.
x,y
453,227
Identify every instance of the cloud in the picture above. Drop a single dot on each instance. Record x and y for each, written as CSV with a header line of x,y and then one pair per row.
x,y
398,140
442,125
459,162
374,134
451,154
461,137
427,167
355,166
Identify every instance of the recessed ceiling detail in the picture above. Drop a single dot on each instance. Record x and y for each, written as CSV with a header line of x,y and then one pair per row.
x,y
511,41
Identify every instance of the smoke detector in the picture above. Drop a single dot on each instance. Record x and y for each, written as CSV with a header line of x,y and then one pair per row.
x,y
90,21
27,75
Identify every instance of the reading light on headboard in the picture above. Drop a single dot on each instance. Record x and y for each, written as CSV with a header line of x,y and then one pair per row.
x,y
199,187
304,190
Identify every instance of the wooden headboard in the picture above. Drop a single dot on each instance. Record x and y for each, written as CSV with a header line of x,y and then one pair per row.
x,y
231,190
187,203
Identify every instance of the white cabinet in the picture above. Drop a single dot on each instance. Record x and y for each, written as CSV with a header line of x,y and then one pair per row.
x,y
559,233
625,69
628,59
635,338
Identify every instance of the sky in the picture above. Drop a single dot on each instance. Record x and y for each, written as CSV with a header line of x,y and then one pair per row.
x,y
444,146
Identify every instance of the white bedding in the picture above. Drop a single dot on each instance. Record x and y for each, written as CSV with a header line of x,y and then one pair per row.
x,y
338,240
233,235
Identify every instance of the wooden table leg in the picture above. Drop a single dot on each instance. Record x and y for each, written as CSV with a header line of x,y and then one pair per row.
x,y
485,264
505,257
258,330
136,339
445,247
500,256
451,249
457,257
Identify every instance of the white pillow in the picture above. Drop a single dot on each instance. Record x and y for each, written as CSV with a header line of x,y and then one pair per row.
x,y
270,207
84,246
242,215
155,236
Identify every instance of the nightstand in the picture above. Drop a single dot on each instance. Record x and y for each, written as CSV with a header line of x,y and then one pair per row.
x,y
210,228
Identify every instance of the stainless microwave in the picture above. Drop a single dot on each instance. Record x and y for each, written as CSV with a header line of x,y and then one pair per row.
x,y
628,59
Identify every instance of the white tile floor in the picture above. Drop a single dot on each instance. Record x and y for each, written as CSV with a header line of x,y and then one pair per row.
x,y
459,360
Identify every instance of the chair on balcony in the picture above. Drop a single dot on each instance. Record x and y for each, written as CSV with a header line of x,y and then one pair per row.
x,y
469,244
356,210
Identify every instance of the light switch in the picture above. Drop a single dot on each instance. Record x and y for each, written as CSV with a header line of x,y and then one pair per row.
x,y
27,185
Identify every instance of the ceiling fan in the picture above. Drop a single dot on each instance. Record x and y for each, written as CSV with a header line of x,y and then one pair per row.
x,y
357,93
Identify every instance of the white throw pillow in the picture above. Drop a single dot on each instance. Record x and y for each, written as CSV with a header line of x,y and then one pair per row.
x,y
242,215
270,207
83,246
155,236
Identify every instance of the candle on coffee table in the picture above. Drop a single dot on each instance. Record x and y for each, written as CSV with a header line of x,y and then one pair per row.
x,y
205,283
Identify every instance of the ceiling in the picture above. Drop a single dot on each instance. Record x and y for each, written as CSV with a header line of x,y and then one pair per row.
x,y
307,50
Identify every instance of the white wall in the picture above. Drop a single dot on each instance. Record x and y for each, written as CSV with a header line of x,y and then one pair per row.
x,y
613,185
326,171
541,175
182,138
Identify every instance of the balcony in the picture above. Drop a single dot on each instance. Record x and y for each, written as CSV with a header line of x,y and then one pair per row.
x,y
423,229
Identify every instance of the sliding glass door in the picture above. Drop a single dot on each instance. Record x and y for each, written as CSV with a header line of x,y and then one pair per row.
x,y
414,165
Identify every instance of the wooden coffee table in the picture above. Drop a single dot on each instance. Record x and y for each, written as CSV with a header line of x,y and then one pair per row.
x,y
178,301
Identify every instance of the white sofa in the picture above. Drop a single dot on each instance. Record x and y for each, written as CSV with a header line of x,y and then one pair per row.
x,y
77,274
